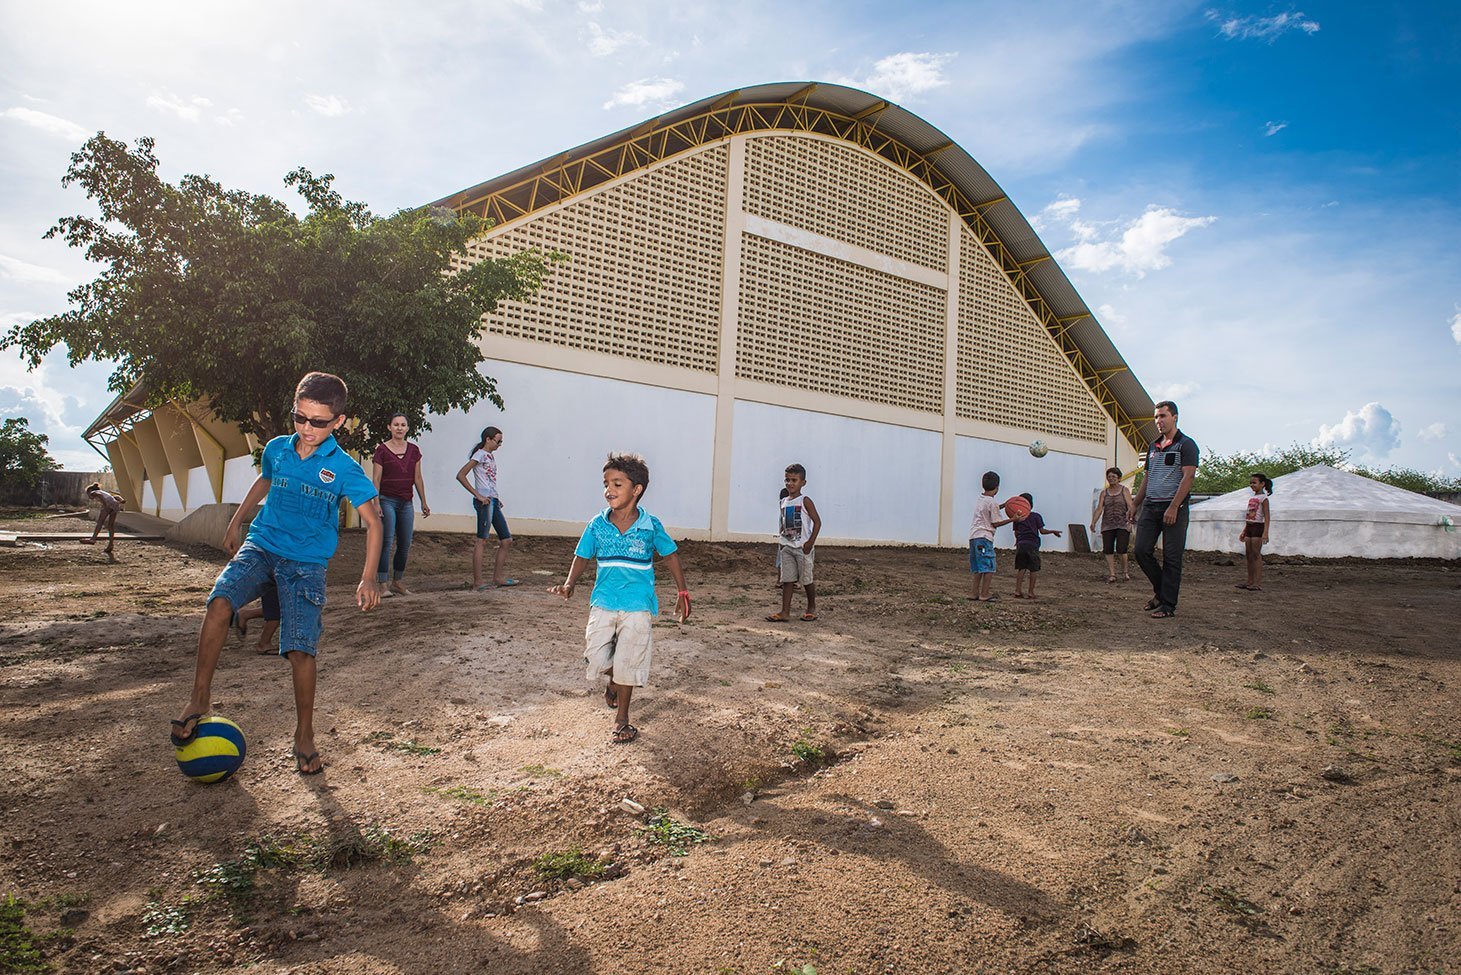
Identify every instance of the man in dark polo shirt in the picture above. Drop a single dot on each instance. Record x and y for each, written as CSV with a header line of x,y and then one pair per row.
x,y
1159,509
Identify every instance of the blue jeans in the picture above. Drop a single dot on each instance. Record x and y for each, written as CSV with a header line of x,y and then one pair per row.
x,y
398,519
301,592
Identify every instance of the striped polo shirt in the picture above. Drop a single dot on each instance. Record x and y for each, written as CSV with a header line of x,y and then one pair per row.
x,y
624,578
1164,468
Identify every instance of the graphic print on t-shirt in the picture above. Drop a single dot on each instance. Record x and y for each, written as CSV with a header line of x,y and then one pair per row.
x,y
791,520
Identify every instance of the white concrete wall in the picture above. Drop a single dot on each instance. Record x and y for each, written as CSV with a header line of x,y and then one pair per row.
x,y
172,502
1060,483
870,481
558,428
1332,539
239,475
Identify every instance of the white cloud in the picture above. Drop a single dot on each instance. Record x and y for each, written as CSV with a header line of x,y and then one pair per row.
x,y
645,92
1434,431
1372,430
1456,327
330,106
1110,315
1263,28
602,43
230,117
1139,248
903,75
26,273
189,110
591,6
1176,392
50,124
1271,129
1455,461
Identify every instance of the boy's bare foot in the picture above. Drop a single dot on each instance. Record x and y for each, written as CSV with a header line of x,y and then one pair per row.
x,y
263,648
1019,595
396,587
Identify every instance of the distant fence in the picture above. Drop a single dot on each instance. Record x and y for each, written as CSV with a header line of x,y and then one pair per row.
x,y
64,488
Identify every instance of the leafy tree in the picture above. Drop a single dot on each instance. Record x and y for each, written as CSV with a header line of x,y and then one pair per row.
x,y
23,456
229,296
1221,473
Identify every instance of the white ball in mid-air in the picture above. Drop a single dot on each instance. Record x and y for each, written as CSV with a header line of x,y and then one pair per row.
x,y
1038,448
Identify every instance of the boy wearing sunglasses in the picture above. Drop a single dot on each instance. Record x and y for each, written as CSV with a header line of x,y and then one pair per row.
x,y
290,544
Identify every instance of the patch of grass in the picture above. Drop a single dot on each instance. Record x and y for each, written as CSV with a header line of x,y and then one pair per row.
x,y
236,879
541,772
377,844
59,902
19,951
1179,732
378,736
958,668
1259,714
675,836
465,794
410,747
564,864
805,751
1260,687
162,920
1232,902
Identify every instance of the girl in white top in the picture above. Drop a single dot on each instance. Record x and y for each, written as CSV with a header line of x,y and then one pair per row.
x,y
488,505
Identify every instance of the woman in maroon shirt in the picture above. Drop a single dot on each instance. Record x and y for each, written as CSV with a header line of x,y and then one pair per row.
x,y
397,470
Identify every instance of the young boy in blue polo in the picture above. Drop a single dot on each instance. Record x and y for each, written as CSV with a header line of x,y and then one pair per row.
x,y
290,544
624,540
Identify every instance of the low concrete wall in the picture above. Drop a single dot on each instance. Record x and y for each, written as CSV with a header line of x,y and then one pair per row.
x,y
205,526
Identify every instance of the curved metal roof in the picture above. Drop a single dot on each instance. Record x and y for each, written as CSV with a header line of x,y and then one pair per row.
x,y
885,128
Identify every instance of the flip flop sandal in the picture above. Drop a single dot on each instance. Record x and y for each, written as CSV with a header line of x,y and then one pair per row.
x,y
777,618
809,617
301,761
179,740
624,734
1163,614
1153,604
509,582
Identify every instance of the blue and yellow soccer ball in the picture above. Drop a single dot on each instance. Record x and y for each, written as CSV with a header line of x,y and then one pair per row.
x,y
215,752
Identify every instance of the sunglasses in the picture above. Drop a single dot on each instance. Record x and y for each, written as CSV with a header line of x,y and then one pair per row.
x,y
300,420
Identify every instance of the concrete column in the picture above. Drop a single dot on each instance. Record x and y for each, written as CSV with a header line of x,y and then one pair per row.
x,y
730,309
154,459
179,446
948,467
129,479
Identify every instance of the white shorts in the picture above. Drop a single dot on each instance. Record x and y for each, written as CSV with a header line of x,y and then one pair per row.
x,y
796,565
619,640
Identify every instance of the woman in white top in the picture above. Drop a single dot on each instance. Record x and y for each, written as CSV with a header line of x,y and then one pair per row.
x,y
483,489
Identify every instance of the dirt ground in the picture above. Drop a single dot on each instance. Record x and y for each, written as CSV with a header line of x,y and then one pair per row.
x,y
1271,782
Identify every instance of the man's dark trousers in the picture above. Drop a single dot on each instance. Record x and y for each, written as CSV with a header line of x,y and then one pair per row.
x,y
1165,576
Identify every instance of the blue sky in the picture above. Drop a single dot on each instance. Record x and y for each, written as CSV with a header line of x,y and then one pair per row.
x,y
1262,202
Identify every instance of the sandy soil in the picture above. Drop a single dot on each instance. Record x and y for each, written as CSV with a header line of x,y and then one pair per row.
x,y
1059,786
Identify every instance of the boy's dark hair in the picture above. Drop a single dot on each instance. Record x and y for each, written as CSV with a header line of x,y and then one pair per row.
x,y
1171,407
990,480
325,389
1267,482
1028,497
798,470
631,466
1114,470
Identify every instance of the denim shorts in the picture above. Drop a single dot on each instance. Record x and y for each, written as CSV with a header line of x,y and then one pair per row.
x,y
981,555
489,519
301,587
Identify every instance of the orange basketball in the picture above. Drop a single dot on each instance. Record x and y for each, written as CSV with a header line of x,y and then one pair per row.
x,y
1017,508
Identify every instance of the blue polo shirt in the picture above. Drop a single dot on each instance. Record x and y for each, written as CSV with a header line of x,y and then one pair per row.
x,y
301,519
624,579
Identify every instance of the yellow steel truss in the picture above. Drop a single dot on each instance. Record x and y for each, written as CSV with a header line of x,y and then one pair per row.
x,y
562,178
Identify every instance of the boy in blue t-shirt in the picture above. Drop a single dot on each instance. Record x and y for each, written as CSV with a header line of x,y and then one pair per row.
x,y
1027,548
624,540
290,544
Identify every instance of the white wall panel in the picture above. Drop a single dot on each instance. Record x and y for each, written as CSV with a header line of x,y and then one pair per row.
x,y
871,481
239,475
558,428
1060,483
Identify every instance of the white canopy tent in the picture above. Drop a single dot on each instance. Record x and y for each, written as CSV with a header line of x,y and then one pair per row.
x,y
1325,512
